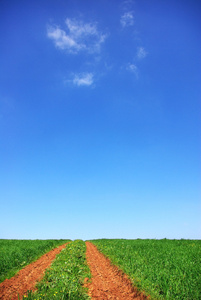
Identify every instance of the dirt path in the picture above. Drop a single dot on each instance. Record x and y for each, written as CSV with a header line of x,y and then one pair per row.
x,y
108,282
27,278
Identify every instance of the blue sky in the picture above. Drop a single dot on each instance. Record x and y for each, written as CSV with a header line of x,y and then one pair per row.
x,y
100,119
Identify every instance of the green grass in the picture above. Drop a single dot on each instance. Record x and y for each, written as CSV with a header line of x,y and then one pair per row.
x,y
164,269
65,278
16,254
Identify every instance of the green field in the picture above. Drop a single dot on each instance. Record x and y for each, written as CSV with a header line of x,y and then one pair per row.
x,y
164,269
16,254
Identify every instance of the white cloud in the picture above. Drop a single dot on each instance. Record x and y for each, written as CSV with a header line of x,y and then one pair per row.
x,y
127,19
77,36
79,29
141,53
61,39
133,68
83,79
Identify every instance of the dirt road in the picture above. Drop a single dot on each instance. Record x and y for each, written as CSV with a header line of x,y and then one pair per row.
x,y
107,282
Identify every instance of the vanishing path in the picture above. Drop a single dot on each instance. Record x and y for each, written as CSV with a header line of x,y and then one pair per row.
x,y
108,282
27,278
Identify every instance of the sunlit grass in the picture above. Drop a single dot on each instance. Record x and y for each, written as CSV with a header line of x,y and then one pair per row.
x,y
16,254
164,269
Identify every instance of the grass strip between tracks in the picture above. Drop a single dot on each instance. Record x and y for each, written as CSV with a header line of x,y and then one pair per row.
x,y
65,278
164,269
16,254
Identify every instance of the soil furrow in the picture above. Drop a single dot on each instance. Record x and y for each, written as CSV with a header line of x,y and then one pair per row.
x,y
108,282
27,278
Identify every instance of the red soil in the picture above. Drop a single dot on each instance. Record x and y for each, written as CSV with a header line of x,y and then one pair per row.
x,y
108,282
27,278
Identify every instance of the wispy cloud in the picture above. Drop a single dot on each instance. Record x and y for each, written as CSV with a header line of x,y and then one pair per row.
x,y
77,36
127,19
133,68
61,39
141,53
85,79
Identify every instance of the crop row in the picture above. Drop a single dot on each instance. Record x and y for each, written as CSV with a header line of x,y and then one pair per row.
x,y
164,269
16,254
65,278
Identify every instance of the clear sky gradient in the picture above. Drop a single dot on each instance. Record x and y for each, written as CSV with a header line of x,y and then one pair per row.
x,y
100,119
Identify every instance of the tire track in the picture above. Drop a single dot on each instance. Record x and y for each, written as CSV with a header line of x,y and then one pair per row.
x,y
27,278
108,282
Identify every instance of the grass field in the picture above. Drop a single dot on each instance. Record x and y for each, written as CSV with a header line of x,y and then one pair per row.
x,y
164,269
16,254
65,277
